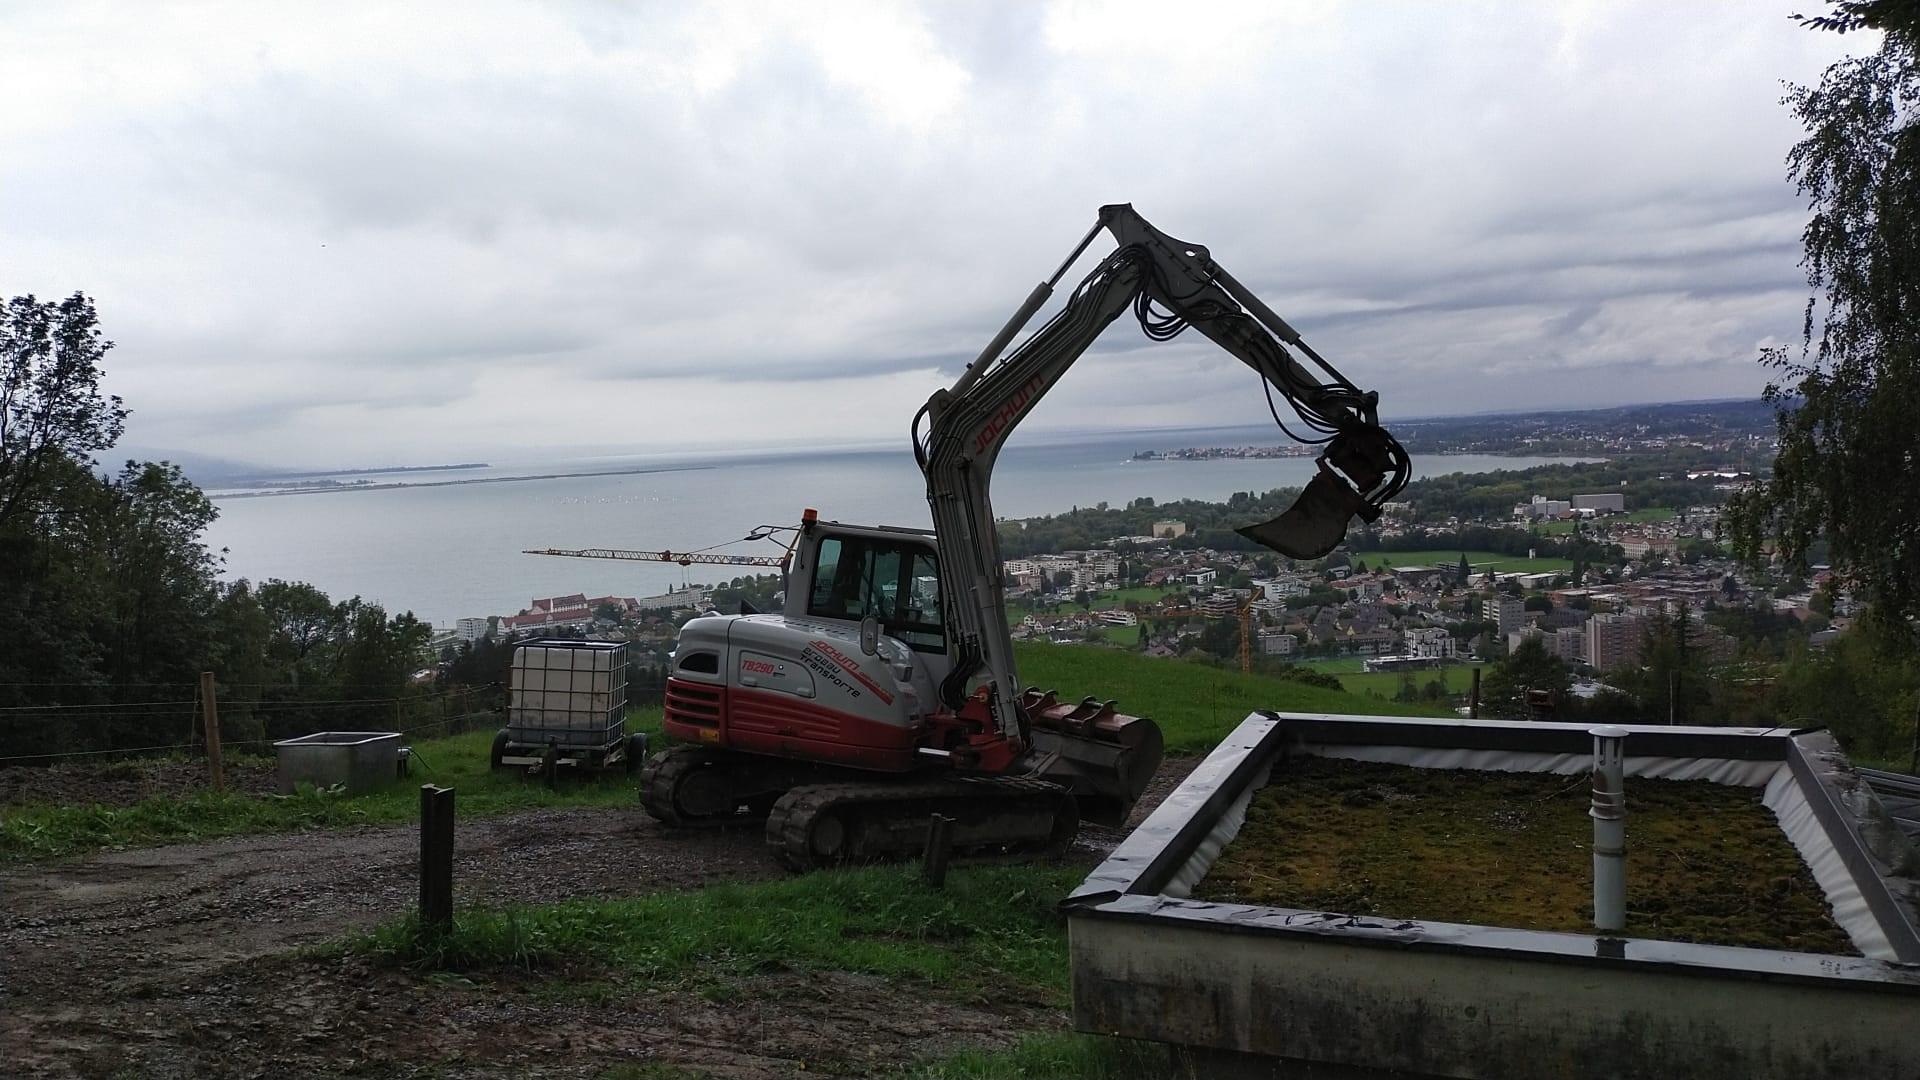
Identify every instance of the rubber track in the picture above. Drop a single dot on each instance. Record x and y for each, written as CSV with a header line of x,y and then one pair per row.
x,y
661,778
790,826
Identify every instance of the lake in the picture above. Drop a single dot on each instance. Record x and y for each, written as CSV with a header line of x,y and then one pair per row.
x,y
454,550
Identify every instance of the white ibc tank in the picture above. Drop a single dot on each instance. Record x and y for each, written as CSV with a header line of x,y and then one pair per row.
x,y
567,689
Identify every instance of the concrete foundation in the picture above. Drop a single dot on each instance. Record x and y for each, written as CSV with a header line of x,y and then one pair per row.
x,y
1281,992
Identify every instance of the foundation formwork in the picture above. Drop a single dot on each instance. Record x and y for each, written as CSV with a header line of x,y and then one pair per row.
x,y
1279,991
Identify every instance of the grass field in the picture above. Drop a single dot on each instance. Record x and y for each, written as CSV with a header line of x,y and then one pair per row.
x,y
1354,676
1101,601
994,933
1459,680
1338,665
1195,705
1479,560
460,762
990,927
1113,598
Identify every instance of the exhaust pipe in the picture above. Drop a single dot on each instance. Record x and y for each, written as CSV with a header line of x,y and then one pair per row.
x,y
1609,813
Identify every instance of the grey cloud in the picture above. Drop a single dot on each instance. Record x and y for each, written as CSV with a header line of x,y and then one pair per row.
x,y
733,201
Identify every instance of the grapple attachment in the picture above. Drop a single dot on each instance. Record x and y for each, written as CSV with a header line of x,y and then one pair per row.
x,y
1106,757
1375,468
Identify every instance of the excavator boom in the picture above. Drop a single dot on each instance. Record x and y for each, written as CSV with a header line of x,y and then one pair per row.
x,y
1170,285
852,721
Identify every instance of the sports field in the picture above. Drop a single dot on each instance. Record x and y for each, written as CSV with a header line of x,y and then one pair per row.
x,y
1480,561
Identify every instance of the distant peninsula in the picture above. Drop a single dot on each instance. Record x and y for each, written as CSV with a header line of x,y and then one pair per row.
x,y
317,473
1209,453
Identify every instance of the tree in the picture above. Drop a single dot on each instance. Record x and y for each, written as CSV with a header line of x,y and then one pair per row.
x,y
1845,403
300,618
157,578
1409,689
51,410
1669,684
1529,667
1464,573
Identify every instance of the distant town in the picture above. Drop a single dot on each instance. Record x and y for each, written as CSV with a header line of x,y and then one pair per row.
x,y
1597,567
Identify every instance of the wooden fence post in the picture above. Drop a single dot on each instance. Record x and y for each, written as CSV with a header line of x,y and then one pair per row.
x,y
210,717
1913,767
436,859
1473,702
939,848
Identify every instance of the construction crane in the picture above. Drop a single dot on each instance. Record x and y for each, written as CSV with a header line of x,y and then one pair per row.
x,y
684,558
1245,615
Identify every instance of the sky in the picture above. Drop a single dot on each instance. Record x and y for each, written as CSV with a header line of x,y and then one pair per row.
x,y
368,234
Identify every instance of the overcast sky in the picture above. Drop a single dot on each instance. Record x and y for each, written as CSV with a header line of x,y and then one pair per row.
x,y
368,234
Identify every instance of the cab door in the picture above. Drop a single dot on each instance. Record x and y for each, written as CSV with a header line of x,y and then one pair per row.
x,y
895,579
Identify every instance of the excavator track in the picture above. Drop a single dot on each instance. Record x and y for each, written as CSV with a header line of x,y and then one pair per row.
x,y
699,785
828,824
662,778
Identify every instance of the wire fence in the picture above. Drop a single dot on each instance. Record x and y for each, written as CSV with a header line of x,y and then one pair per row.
x,y
247,707
239,709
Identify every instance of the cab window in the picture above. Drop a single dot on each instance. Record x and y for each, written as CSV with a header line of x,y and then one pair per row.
x,y
899,584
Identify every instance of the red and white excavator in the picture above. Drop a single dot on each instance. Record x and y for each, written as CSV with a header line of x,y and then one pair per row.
x,y
885,692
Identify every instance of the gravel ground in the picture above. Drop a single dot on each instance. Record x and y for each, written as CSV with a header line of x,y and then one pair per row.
x,y
182,961
127,782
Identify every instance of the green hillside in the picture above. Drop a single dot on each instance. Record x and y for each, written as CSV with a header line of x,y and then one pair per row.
x,y
1195,704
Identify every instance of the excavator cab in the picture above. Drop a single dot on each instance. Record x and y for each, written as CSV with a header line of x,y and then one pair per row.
x,y
846,574
893,579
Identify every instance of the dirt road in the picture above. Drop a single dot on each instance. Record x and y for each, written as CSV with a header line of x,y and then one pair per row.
x,y
183,961
115,955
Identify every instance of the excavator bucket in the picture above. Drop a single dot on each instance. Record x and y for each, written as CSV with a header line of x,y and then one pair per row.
x,y
1316,522
1105,757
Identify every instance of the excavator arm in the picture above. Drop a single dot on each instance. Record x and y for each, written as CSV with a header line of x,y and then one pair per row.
x,y
1170,285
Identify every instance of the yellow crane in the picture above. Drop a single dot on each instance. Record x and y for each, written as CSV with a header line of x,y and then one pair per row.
x,y
684,558
1246,627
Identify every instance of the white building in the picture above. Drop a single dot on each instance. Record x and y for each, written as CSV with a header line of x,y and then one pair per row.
x,y
1540,507
1105,565
1430,642
1119,617
1170,530
1283,588
1612,502
1507,613
1275,642
470,629
1199,579
1569,643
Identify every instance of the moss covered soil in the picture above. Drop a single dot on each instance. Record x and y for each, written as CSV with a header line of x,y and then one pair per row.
x,y
1705,862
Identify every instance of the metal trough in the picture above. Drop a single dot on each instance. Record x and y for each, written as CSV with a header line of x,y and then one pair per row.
x,y
1255,990
359,760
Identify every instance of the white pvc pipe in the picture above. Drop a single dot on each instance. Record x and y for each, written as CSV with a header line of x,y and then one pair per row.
x,y
1609,813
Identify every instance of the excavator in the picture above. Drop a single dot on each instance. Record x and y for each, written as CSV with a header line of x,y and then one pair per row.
x,y
885,691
